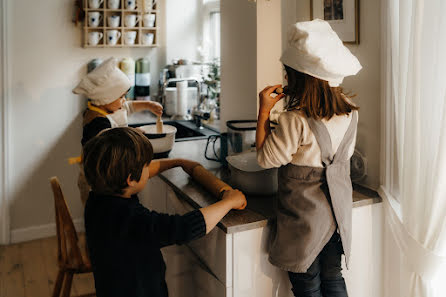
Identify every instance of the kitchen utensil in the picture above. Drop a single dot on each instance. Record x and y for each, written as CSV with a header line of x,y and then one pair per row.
x,y
212,155
94,18
142,79
113,4
94,37
241,135
130,4
159,125
358,166
113,36
149,20
162,143
113,21
209,181
94,3
129,37
147,38
249,177
131,20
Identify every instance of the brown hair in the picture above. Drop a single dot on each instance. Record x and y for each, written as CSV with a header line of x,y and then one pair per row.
x,y
111,156
315,96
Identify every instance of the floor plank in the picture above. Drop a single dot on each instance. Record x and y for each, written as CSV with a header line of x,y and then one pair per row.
x,y
36,276
12,268
30,269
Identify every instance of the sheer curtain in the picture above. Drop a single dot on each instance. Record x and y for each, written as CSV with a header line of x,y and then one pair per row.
x,y
414,181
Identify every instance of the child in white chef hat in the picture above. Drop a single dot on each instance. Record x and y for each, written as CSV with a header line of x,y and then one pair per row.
x,y
312,145
106,87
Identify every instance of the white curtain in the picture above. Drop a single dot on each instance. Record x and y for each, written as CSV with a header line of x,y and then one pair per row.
x,y
414,64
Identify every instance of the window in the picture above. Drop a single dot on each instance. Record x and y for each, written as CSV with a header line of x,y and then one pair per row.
x,y
211,30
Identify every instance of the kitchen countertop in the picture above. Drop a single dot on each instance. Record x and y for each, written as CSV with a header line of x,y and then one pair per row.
x,y
259,210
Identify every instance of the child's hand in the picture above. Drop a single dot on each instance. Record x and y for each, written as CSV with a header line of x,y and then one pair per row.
x,y
266,100
188,165
237,198
155,108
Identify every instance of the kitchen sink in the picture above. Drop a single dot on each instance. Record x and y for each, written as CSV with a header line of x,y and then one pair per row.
x,y
186,130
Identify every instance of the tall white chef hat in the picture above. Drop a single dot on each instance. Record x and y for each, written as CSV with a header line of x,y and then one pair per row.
x,y
104,84
315,49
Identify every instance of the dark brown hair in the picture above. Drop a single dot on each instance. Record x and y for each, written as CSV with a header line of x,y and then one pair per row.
x,y
111,156
315,96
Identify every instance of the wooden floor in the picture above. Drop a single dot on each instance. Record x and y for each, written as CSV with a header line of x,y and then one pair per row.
x,y
30,268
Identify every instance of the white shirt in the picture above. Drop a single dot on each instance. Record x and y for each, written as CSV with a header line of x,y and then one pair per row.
x,y
293,141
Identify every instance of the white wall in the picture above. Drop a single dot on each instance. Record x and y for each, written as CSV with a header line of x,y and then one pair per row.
x,y
47,61
366,84
238,61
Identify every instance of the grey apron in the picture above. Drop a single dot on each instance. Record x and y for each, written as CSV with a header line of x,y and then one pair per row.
x,y
313,202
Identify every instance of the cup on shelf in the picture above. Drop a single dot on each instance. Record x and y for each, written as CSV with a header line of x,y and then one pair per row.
x,y
94,18
130,4
149,20
94,3
94,37
113,4
130,20
148,4
147,38
129,37
113,21
113,37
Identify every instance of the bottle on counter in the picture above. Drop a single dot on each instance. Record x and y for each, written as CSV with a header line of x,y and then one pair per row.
x,y
142,79
127,66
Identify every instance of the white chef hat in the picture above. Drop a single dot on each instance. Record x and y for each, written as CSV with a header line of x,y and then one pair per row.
x,y
315,49
104,84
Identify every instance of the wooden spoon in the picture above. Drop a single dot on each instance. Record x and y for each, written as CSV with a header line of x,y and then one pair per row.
x,y
159,125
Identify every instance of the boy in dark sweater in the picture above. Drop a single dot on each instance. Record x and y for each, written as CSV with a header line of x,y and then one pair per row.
x,y
123,237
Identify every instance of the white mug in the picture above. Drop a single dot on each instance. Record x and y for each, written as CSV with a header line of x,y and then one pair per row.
x,y
149,20
113,4
147,38
148,4
94,18
113,36
130,4
129,37
94,3
131,20
113,21
94,37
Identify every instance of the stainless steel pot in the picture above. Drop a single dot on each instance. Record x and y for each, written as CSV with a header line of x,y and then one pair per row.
x,y
249,177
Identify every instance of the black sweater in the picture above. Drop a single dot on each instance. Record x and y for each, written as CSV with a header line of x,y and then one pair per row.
x,y
124,240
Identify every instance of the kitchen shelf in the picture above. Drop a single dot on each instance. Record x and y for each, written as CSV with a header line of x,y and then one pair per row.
x,y
122,12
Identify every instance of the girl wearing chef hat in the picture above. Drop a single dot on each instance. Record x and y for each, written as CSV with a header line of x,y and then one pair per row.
x,y
312,145
106,87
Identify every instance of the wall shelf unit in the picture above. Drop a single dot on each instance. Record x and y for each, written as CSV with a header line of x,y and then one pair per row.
x,y
146,33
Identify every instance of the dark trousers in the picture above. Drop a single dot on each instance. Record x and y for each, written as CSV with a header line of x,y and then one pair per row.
x,y
324,277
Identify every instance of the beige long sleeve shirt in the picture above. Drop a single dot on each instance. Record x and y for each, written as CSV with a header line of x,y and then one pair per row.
x,y
293,141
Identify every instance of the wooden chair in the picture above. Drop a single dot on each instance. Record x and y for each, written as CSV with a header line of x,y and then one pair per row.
x,y
70,258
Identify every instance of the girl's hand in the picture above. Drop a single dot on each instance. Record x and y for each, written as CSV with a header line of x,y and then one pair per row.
x,y
155,108
267,102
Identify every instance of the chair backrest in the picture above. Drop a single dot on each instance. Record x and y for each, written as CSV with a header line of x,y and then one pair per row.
x,y
69,254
